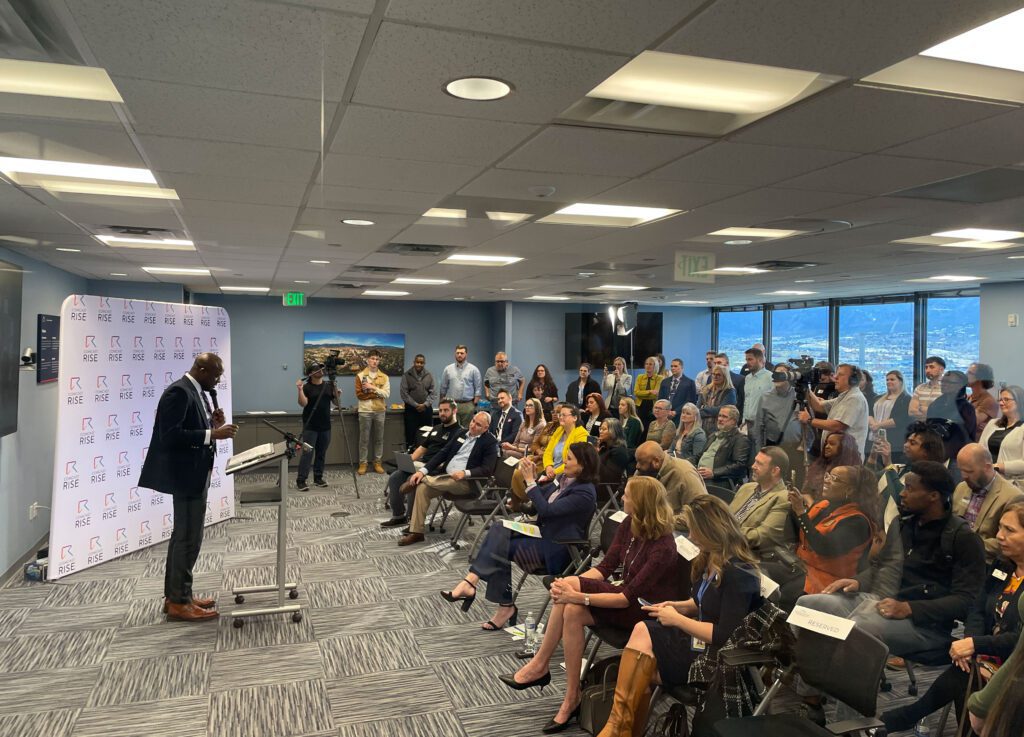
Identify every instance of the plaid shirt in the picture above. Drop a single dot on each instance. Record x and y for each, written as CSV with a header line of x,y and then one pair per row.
x,y
975,502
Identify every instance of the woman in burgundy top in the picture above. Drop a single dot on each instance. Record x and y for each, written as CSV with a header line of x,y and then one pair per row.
x,y
645,551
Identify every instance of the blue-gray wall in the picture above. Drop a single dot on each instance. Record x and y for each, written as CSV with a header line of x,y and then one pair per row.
x,y
153,291
1002,346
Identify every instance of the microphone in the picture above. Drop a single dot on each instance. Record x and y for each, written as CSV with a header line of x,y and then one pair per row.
x,y
213,397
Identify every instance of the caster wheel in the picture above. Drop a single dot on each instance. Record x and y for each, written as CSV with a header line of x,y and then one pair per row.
x,y
239,599
293,594
885,687
237,624
912,690
297,617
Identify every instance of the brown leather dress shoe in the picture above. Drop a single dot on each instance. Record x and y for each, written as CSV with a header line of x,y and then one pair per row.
x,y
202,603
407,488
411,539
189,612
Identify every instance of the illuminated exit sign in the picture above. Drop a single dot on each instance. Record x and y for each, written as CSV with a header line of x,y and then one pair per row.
x,y
293,299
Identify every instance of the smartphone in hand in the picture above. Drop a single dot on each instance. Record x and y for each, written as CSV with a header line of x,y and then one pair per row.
x,y
643,602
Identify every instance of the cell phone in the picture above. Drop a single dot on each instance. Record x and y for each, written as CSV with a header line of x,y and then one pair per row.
x,y
881,435
643,602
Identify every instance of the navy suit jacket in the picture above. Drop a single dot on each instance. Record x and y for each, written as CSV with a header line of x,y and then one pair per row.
x,y
482,459
566,518
572,391
512,424
178,461
685,392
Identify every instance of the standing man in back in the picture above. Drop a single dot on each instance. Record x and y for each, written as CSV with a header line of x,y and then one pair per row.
x,y
461,381
503,375
678,388
929,390
419,395
372,390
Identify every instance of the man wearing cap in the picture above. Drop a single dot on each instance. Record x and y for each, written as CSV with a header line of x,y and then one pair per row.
x,y
315,397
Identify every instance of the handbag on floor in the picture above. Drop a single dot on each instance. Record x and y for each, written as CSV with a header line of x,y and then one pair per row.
x,y
598,692
672,723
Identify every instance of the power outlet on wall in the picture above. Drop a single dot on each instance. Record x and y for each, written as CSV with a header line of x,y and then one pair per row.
x,y
33,510
1011,320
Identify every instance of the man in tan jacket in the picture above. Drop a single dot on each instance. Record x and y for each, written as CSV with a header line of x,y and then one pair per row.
x,y
678,476
762,506
982,495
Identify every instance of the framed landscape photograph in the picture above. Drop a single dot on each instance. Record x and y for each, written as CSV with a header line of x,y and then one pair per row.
x,y
352,349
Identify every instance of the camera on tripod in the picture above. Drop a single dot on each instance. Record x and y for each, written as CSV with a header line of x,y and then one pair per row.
x,y
802,374
332,363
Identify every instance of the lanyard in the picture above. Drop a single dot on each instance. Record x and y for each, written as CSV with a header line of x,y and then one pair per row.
x,y
701,590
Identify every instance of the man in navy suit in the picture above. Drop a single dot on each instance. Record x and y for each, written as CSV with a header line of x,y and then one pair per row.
x,y
678,388
506,419
179,462
470,456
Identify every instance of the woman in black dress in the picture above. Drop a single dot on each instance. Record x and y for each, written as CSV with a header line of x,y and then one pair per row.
x,y
542,386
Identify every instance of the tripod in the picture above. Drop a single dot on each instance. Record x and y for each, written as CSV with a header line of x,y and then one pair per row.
x,y
331,376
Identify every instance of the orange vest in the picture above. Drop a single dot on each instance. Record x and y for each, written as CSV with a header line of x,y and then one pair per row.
x,y
822,570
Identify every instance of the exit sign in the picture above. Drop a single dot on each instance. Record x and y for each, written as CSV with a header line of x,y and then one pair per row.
x,y
293,299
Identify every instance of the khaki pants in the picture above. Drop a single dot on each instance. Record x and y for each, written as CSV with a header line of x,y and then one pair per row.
x,y
464,412
430,488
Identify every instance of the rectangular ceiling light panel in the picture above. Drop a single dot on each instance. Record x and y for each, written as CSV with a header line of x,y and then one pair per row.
x,y
56,80
610,216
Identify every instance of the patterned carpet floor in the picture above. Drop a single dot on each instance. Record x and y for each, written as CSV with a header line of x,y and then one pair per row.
x,y
377,652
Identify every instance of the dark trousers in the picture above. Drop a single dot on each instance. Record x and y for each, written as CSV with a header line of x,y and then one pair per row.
x,y
396,499
493,562
414,420
319,439
183,548
951,685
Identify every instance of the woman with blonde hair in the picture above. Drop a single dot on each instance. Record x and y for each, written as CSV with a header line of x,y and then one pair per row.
x,y
645,550
632,428
717,393
617,383
646,390
690,439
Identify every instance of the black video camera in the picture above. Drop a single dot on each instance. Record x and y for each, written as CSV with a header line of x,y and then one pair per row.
x,y
333,362
802,374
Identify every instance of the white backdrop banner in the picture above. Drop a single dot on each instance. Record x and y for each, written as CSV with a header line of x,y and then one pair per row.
x,y
116,358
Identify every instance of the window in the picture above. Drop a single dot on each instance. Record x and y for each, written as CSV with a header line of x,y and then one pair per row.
x,y
953,330
879,338
737,331
798,332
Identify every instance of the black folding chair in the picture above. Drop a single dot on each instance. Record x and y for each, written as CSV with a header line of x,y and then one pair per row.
x,y
722,492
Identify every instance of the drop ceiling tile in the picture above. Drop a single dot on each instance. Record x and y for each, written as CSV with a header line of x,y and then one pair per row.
x,y
370,201
876,175
864,119
231,189
220,115
994,141
851,39
726,162
761,205
452,233
192,156
401,174
409,67
676,195
62,141
226,44
363,7
888,209
20,213
583,150
514,184
133,211
238,224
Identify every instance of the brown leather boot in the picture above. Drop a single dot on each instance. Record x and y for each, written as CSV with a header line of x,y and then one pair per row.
x,y
636,669
189,612
362,469
378,467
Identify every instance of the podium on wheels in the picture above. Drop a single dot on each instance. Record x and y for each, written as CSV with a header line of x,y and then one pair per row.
x,y
275,495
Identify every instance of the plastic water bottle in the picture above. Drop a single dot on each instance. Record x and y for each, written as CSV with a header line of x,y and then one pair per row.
x,y
530,634
922,729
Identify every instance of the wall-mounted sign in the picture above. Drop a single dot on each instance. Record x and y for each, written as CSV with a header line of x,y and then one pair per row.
x,y
694,267
293,299
48,348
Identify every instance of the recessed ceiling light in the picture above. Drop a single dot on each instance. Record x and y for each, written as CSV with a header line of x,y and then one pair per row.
x,y
993,44
10,166
794,292
385,293
102,189
508,217
756,233
302,281
609,216
690,302
417,280
618,288
357,221
949,278
741,242
738,270
1015,257
470,259
946,242
478,88
586,274
548,298
245,289
318,234
161,244
57,80
174,270
980,234
117,273
70,250
318,261
449,213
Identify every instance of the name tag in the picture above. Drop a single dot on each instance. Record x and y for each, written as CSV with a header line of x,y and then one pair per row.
x,y
1001,575
461,441
820,622
512,461
426,428
698,646
686,548
768,586
618,516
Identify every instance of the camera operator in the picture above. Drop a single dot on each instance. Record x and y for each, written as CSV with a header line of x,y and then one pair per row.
x,y
824,389
847,413
315,397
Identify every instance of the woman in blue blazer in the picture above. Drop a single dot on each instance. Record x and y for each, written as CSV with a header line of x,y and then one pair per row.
x,y
564,507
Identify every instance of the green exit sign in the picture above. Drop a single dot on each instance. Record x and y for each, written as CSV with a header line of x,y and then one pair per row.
x,y
293,299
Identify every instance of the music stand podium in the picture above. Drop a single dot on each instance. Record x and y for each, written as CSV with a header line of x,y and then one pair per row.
x,y
268,496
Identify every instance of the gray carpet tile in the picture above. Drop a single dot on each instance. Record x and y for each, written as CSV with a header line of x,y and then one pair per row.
x,y
117,568
207,562
421,725
371,652
473,682
49,723
168,638
326,537
331,571
456,641
252,514
397,694
515,720
344,592
27,693
258,541
27,653
91,592
260,666
251,558
358,618
99,616
328,553
186,717
25,597
427,584
276,629
318,523
153,587
410,564
10,621
277,710
152,679
258,576
433,611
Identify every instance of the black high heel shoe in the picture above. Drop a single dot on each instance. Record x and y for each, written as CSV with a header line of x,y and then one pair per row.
x,y
490,626
467,601
511,682
552,727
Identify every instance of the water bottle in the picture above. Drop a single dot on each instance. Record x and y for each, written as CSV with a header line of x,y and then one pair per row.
x,y
530,634
922,729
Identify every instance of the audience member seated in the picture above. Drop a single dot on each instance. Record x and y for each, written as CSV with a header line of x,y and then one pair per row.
x,y
615,456
990,631
726,588
505,419
929,390
981,379
727,455
954,414
716,394
661,430
847,413
997,709
1004,437
565,434
645,550
595,414
943,568
677,388
983,496
839,449
681,481
564,508
578,391
470,456
632,428
889,413
922,444
647,386
532,425
617,383
542,387
690,438
762,506
432,443
836,533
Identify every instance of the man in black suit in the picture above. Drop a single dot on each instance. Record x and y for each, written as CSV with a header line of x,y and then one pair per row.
x,y
678,388
179,462
473,455
506,419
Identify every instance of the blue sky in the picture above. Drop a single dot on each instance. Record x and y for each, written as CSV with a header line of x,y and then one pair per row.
x,y
393,340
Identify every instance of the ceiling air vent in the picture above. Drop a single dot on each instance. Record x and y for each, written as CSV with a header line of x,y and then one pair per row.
x,y
347,285
783,265
376,270
414,249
